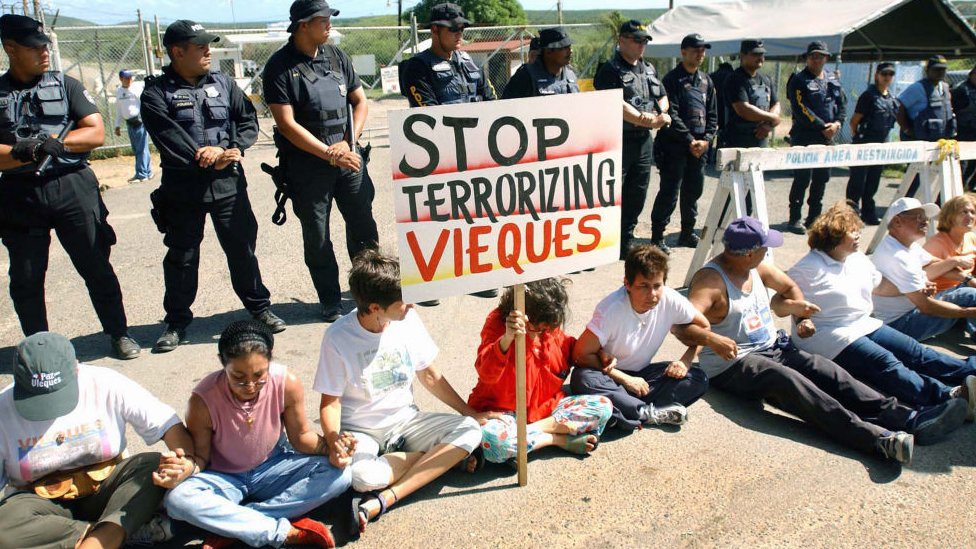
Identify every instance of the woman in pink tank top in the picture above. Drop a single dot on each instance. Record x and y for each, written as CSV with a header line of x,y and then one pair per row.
x,y
262,464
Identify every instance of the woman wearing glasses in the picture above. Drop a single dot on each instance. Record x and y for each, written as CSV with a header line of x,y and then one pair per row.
x,y
872,121
254,481
573,423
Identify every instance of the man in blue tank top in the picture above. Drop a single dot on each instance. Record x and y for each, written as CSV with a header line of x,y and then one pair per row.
x,y
755,361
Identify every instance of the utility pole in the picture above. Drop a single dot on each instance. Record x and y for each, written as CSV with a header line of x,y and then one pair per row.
x,y
38,12
559,11
670,4
399,19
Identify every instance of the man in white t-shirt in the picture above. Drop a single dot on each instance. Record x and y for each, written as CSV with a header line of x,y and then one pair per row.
x,y
61,416
128,112
369,359
613,355
914,309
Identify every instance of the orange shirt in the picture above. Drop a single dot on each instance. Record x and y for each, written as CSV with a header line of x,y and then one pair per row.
x,y
941,246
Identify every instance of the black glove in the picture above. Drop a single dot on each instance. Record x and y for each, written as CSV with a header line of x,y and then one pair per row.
x,y
50,147
24,149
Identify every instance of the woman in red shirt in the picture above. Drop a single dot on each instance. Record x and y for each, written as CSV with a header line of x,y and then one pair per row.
x,y
574,423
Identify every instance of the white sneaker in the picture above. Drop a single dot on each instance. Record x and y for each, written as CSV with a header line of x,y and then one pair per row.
x,y
672,414
157,530
971,397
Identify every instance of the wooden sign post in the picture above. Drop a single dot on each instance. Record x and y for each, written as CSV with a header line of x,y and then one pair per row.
x,y
521,408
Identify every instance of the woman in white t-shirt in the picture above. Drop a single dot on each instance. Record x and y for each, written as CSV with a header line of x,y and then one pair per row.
x,y
841,280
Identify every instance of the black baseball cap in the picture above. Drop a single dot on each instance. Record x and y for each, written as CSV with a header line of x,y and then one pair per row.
x,y
24,30
817,46
636,29
936,62
448,15
534,44
303,10
885,66
554,38
185,30
45,377
694,41
752,46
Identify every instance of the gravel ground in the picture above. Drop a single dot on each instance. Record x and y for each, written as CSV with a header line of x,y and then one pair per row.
x,y
736,475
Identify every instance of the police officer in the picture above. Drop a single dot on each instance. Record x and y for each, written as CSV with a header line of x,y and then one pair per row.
x,y
534,50
874,117
751,101
719,77
550,73
680,149
645,108
926,106
34,105
819,107
964,107
201,122
444,75
310,86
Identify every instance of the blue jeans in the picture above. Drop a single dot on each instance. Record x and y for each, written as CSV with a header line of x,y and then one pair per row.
x,y
139,140
899,366
922,327
286,485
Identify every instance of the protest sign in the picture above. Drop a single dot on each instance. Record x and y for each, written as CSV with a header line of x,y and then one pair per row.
x,y
498,193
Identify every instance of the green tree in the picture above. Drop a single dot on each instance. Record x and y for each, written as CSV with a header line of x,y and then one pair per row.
x,y
611,22
483,13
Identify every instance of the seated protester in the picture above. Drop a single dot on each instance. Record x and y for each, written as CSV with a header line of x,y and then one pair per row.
x,y
613,356
367,364
839,279
74,485
956,240
914,308
748,358
573,423
254,480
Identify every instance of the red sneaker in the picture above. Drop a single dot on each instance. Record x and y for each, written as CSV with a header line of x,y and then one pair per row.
x,y
311,532
214,541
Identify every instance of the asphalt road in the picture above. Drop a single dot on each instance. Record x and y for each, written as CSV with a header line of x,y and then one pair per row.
x,y
736,475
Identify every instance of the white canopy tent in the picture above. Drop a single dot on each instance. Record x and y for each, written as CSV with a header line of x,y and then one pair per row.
x,y
861,30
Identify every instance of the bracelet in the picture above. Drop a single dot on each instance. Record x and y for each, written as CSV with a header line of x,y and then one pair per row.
x,y
968,279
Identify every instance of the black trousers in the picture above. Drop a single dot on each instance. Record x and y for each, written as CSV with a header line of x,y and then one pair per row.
x,y
680,172
815,179
817,391
862,186
314,184
636,159
664,390
237,233
71,205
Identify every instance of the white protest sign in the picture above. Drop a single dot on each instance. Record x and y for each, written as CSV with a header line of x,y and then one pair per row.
x,y
504,192
390,77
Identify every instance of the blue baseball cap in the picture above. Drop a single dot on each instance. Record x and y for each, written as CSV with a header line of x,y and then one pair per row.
x,y
126,73
747,233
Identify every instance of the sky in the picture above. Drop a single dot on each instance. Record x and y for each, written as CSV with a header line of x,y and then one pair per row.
x,y
113,11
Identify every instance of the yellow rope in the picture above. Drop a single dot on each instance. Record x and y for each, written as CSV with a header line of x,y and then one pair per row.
x,y
947,147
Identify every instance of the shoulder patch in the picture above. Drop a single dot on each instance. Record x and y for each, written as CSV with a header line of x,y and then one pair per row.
x,y
89,97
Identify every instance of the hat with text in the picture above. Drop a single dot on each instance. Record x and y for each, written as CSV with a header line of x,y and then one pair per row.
x,y
554,38
636,29
907,204
817,46
936,62
184,30
694,40
45,378
747,233
305,10
752,46
885,66
24,30
448,15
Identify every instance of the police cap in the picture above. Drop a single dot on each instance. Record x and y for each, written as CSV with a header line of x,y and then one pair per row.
x,y
534,44
885,66
23,30
303,10
184,30
817,46
936,62
752,46
694,40
636,29
448,15
554,38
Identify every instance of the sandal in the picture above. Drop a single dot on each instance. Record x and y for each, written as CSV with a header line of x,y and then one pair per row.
x,y
479,455
357,511
577,443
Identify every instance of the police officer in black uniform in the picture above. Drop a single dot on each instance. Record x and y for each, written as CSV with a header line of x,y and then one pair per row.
x,y
311,87
964,107
925,110
645,108
550,74
819,108
34,105
445,75
719,77
201,121
680,149
751,100
874,117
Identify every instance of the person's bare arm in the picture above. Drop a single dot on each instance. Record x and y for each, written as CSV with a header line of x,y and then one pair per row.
x,y
707,293
944,267
438,385
189,447
297,427
936,307
788,300
752,113
855,122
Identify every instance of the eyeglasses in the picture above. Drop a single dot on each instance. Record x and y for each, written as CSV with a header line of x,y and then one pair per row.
x,y
887,73
639,40
919,217
256,384
455,29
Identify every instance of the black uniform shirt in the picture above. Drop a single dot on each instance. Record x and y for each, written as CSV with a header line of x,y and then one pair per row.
x,y
737,88
679,82
418,77
280,88
608,78
80,102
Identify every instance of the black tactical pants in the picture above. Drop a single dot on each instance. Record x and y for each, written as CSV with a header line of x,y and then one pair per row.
x,y
237,232
680,172
815,179
636,159
71,205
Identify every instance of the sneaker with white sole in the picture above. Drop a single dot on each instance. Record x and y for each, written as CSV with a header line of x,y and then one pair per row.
x,y
971,397
157,530
672,414
896,446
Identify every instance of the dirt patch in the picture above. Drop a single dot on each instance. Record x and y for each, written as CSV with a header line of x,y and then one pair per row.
x,y
116,172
